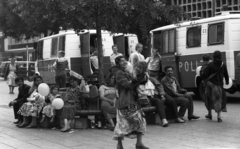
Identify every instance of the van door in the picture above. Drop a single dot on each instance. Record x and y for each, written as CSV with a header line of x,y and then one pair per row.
x,y
85,65
165,42
120,42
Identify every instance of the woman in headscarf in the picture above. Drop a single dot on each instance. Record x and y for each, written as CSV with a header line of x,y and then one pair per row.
x,y
130,120
215,94
107,95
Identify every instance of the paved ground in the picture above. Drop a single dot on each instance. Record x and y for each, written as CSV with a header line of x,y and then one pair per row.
x,y
200,134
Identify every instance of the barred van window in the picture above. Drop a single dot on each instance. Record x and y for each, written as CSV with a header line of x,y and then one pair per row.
x,y
194,37
168,41
54,47
61,46
216,34
40,50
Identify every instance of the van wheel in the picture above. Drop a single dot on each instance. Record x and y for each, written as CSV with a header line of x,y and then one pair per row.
x,y
201,92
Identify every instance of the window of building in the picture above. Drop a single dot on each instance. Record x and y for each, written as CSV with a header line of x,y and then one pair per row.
x,y
61,45
216,34
54,48
194,37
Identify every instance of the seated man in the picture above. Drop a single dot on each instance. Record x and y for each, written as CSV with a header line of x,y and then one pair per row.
x,y
172,88
150,88
21,99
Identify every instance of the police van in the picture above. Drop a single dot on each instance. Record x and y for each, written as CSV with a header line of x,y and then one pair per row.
x,y
78,48
183,44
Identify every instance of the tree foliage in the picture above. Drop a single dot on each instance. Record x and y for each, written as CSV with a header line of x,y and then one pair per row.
x,y
31,17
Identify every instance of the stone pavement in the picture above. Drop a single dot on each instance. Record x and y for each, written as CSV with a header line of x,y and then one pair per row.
x,y
199,134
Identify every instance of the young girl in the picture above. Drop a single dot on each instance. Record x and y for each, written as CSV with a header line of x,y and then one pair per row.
x,y
72,102
49,110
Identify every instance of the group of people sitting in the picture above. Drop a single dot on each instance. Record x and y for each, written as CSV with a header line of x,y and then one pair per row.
x,y
30,107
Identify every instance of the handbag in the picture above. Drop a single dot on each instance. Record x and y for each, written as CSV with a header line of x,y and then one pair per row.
x,y
144,102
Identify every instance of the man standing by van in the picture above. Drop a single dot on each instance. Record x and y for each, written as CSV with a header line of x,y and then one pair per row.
x,y
114,55
60,65
136,56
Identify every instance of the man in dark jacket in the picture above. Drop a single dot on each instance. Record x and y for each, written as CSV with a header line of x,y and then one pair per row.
x,y
21,99
173,89
160,95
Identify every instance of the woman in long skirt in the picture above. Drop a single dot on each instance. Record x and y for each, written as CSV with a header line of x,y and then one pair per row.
x,y
215,94
130,120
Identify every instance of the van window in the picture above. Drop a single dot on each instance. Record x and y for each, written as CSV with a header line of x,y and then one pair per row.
x,y
216,34
54,47
61,44
157,38
194,37
168,44
40,50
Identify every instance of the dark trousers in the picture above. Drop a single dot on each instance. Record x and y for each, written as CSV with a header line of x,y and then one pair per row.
x,y
16,107
185,103
160,108
172,106
61,81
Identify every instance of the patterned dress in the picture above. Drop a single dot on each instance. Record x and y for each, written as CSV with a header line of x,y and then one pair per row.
x,y
12,75
48,109
130,118
72,102
108,108
33,108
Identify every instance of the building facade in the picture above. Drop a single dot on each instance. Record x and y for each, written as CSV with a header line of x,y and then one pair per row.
x,y
22,50
205,8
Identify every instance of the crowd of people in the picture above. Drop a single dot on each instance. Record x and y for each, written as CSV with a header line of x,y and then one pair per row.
x,y
130,86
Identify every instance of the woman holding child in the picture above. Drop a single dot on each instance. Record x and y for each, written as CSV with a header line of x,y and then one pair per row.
x,y
130,120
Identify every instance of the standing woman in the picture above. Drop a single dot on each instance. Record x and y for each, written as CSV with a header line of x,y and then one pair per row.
x,y
11,75
130,121
215,94
61,68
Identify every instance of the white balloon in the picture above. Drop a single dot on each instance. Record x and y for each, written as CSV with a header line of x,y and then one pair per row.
x,y
43,89
58,103
229,84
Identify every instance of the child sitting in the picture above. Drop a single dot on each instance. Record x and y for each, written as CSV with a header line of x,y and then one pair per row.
x,y
49,110
85,89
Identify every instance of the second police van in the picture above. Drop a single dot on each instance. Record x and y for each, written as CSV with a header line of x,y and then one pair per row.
x,y
77,48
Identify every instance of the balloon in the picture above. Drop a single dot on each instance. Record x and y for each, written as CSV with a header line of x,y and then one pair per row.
x,y
58,103
43,89
225,86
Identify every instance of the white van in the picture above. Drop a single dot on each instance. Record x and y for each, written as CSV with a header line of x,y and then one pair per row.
x,y
77,49
183,44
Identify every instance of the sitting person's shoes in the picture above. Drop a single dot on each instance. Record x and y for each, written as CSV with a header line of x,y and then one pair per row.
x,y
141,147
182,119
193,117
179,120
219,120
208,116
16,122
164,123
